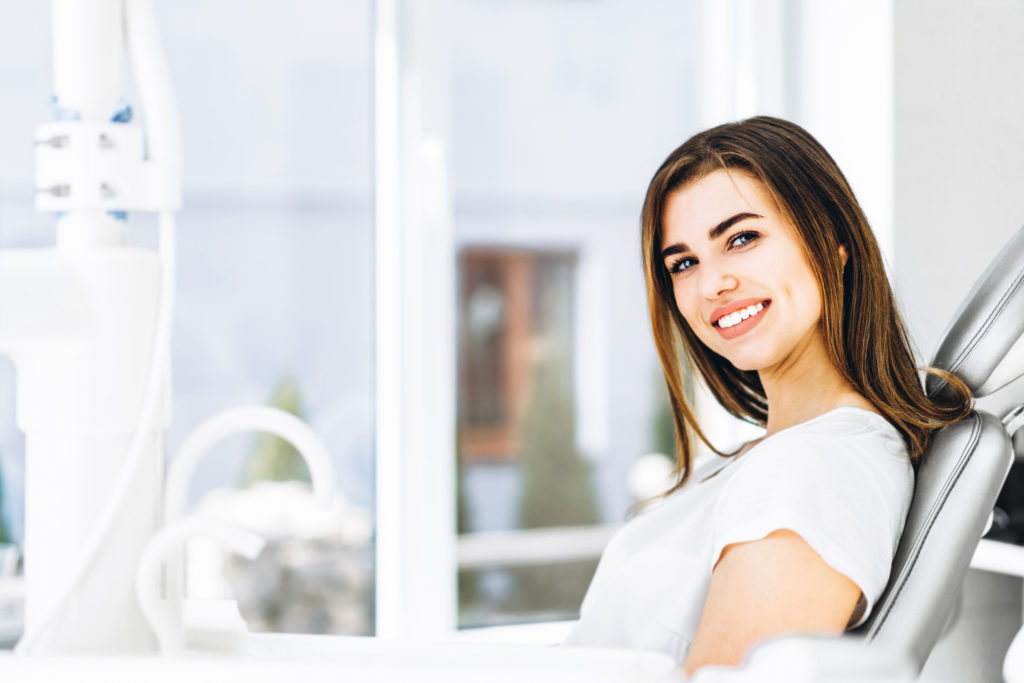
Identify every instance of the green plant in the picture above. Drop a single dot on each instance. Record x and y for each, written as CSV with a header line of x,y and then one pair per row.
x,y
463,519
557,491
557,487
663,429
272,458
5,535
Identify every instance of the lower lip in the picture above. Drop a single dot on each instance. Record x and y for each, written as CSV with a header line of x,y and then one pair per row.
x,y
744,326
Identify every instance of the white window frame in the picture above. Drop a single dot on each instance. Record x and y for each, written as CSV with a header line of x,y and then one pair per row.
x,y
415,295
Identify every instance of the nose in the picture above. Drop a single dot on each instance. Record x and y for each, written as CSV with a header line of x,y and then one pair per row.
x,y
715,281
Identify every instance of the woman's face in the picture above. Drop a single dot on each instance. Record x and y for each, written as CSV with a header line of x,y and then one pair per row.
x,y
739,273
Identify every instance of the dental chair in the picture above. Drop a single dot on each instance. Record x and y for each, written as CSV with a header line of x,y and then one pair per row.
x,y
964,468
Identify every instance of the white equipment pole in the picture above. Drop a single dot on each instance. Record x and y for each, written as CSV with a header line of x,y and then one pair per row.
x,y
82,325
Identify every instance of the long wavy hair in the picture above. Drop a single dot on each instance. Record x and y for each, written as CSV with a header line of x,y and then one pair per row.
x,y
864,333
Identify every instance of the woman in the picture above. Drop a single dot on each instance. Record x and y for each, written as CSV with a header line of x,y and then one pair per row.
x,y
763,274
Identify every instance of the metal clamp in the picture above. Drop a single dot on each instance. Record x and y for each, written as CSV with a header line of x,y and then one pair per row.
x,y
100,166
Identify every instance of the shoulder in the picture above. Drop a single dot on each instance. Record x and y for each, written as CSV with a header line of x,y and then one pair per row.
x,y
842,483
849,458
846,439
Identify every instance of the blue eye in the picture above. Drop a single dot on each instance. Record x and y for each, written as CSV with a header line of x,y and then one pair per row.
x,y
679,265
737,241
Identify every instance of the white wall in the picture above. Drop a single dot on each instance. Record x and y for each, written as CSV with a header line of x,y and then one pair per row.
x,y
842,77
959,181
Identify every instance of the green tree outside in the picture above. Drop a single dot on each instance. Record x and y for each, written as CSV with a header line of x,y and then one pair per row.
x,y
272,458
557,491
5,535
557,486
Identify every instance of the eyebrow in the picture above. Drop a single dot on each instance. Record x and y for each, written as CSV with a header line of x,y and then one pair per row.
x,y
713,234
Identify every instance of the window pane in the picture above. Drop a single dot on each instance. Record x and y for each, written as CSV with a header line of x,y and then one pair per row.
x,y
275,290
560,119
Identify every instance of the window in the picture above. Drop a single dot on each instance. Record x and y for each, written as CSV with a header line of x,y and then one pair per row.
x,y
558,121
275,295
519,463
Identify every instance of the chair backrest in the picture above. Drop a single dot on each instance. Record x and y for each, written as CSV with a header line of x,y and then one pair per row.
x,y
964,468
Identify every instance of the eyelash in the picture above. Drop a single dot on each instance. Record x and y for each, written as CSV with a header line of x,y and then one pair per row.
x,y
674,268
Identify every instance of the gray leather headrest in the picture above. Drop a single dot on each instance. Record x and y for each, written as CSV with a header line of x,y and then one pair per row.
x,y
984,345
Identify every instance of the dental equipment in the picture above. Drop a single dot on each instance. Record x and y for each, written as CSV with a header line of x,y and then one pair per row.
x,y
248,419
89,334
206,435
92,362
164,618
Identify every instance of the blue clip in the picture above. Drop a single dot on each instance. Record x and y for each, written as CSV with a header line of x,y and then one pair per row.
x,y
61,113
123,114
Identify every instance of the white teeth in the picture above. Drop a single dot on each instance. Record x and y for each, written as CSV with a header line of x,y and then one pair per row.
x,y
736,317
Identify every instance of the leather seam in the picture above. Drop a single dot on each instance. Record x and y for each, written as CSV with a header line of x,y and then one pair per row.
x,y
988,322
886,609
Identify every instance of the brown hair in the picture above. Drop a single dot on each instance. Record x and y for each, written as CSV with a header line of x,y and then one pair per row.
x,y
864,333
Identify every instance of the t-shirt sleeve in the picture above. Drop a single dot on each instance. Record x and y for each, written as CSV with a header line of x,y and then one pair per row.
x,y
848,501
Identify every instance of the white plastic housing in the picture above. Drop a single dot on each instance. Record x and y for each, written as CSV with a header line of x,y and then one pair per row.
x,y
80,383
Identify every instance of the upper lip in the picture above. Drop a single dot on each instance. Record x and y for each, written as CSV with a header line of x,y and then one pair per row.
x,y
733,307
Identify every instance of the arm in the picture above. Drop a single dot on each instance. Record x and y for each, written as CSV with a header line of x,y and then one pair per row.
x,y
768,587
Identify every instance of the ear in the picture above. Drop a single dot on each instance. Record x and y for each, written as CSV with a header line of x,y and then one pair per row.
x,y
842,254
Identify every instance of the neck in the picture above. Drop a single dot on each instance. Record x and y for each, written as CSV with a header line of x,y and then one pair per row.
x,y
805,385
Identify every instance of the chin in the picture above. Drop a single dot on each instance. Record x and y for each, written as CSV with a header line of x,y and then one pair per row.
x,y
748,367
747,364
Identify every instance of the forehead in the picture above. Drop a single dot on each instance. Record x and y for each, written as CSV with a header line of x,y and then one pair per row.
x,y
691,211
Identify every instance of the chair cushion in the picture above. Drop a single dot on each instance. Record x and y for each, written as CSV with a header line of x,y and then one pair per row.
x,y
957,485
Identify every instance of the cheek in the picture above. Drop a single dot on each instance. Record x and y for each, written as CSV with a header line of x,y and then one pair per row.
x,y
684,303
688,306
806,291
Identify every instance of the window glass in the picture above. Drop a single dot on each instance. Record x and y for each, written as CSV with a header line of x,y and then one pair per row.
x,y
561,113
276,287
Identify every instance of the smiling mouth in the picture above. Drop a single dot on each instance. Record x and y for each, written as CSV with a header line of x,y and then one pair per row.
x,y
736,317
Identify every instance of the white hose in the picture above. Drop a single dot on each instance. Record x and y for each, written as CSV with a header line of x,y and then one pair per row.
x,y
147,418
153,82
165,619
232,421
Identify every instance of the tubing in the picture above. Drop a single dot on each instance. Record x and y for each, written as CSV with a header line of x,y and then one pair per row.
x,y
232,421
247,419
153,81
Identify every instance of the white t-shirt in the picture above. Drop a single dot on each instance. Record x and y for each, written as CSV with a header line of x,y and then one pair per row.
x,y
842,481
